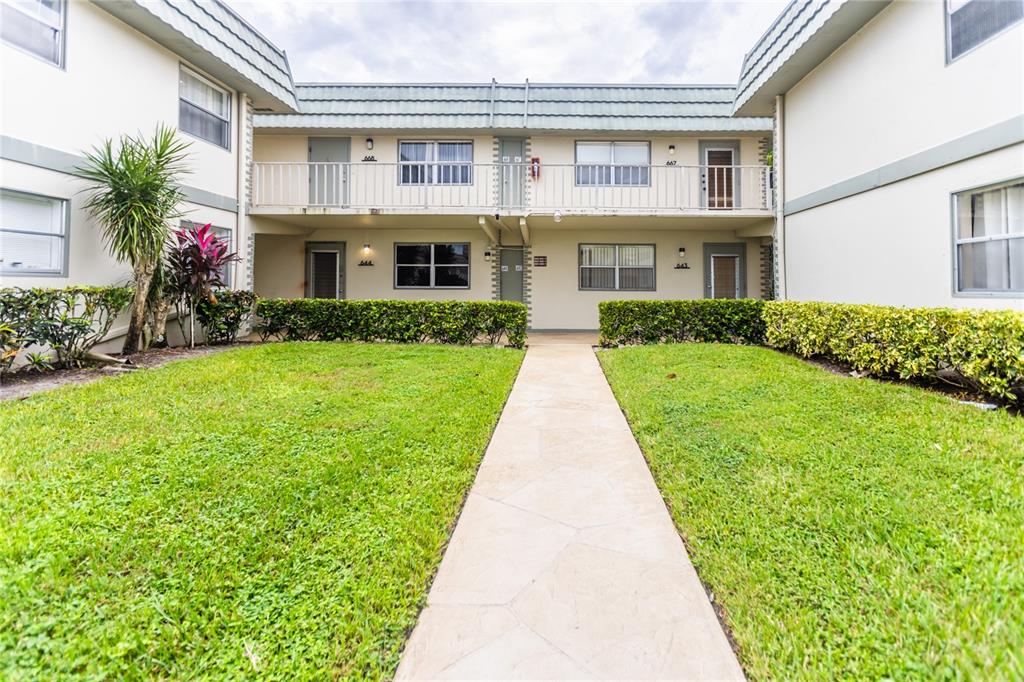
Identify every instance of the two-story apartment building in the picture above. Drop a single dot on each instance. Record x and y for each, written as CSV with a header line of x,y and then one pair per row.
x,y
895,132
75,73
558,195
900,149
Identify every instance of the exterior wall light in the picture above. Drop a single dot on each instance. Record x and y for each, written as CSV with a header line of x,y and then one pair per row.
x,y
366,249
558,216
369,143
682,252
671,149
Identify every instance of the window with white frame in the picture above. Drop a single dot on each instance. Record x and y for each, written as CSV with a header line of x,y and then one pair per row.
x,y
33,234
990,239
435,163
613,163
204,109
432,266
617,267
35,26
970,23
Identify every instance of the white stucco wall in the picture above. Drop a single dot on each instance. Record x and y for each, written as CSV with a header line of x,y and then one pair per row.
x,y
885,95
115,81
893,245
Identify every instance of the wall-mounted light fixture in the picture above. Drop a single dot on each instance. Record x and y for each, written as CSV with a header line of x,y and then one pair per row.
x,y
369,143
682,264
558,216
682,252
671,149
366,249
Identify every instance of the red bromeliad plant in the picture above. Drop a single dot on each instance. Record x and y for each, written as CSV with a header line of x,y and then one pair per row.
x,y
196,264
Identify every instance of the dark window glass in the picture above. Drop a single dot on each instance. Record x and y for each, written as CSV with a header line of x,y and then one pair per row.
x,y
451,254
451,276
412,254
412,276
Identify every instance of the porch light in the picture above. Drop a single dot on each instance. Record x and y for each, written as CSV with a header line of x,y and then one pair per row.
x,y
369,143
682,252
366,249
558,216
671,149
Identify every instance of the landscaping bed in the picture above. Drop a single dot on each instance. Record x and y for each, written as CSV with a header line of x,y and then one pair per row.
x,y
846,527
276,510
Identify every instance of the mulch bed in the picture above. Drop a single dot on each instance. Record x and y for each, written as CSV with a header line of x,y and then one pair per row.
x,y
25,383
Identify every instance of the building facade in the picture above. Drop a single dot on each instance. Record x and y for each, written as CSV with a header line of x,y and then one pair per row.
x,y
870,152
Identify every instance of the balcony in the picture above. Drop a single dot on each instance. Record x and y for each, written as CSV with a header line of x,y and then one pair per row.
x,y
509,189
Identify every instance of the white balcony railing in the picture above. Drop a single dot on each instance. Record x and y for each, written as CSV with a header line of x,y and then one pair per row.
x,y
511,188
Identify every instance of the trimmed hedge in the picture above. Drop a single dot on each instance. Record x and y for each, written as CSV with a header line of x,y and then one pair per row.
x,y
707,320
223,317
982,350
454,322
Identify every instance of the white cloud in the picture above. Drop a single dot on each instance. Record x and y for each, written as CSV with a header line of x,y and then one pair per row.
x,y
603,42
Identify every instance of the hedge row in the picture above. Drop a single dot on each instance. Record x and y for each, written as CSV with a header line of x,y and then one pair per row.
x,y
706,320
455,322
979,350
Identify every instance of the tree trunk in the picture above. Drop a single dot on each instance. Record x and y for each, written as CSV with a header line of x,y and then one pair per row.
x,y
160,312
191,323
143,277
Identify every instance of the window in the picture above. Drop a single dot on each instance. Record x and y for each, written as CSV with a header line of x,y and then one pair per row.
x,y
970,23
35,26
33,234
204,110
222,233
617,267
435,163
990,238
613,163
432,266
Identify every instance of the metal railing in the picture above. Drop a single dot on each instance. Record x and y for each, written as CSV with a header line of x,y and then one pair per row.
x,y
550,188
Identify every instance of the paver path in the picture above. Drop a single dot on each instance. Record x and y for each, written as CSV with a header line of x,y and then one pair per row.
x,y
565,563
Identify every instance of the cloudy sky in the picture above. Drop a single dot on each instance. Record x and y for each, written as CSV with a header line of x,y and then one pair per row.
x,y
604,42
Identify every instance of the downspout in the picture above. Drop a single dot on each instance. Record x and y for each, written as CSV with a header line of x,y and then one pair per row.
x,y
242,224
778,157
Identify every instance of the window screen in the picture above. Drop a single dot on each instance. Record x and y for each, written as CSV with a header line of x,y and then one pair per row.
x,y
426,266
990,239
32,234
204,109
617,267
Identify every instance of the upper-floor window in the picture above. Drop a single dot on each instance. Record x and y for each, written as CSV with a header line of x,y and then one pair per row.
x,y
617,267
36,26
204,109
970,23
613,163
990,238
435,163
33,234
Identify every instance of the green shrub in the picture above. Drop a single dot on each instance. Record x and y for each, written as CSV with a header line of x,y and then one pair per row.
x,y
976,349
707,320
222,318
70,321
454,322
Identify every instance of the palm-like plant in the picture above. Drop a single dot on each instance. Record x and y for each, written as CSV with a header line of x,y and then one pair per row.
x,y
196,263
135,195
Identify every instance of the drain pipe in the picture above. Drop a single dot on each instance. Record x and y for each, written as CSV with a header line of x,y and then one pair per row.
x,y
778,157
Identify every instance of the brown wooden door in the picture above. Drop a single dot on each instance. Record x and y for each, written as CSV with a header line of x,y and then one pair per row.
x,y
725,276
719,178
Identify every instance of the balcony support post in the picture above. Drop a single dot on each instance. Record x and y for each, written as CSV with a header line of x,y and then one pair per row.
x,y
524,229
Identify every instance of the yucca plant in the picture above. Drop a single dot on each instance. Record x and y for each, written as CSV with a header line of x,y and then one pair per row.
x,y
135,195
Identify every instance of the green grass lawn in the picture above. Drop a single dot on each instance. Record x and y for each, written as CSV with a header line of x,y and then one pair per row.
x,y
279,508
848,528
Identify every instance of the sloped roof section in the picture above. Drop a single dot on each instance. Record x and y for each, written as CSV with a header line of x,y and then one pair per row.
x,y
212,36
803,35
518,106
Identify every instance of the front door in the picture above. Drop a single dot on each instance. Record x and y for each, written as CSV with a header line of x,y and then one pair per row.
x,y
327,174
512,170
325,269
725,276
719,177
511,281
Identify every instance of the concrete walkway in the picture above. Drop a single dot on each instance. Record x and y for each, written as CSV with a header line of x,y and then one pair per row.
x,y
565,563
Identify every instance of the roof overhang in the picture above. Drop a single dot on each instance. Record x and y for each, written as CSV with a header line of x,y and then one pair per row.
x,y
171,27
803,36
